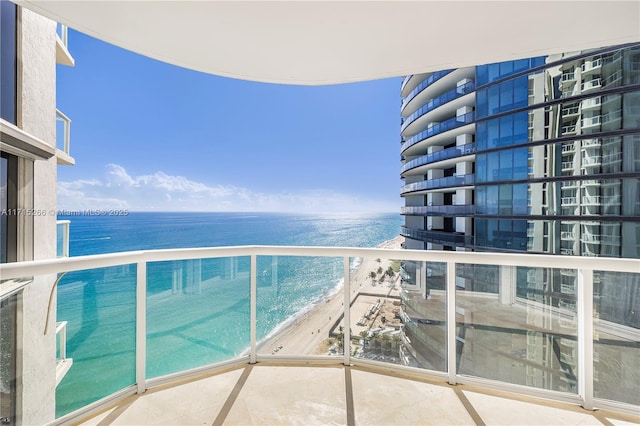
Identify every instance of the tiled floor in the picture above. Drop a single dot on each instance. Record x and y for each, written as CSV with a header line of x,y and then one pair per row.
x,y
336,395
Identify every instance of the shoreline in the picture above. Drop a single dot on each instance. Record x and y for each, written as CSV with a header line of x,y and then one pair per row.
x,y
308,333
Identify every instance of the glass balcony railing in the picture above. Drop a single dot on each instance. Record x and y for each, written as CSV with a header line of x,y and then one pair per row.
x,y
62,238
445,182
461,210
438,237
63,132
445,154
138,320
63,33
442,127
426,83
439,101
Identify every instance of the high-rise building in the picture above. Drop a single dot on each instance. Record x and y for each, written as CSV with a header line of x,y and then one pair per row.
x,y
539,155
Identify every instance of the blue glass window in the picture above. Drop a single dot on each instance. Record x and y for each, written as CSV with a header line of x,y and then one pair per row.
x,y
8,61
494,100
520,163
481,232
506,95
481,168
482,106
506,130
506,165
492,199
481,136
481,200
482,74
520,127
505,203
521,92
493,133
520,199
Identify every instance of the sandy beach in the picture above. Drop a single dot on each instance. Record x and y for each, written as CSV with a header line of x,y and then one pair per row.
x,y
309,334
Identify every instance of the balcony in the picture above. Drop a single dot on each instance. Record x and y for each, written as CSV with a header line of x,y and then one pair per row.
x,y
448,210
445,182
62,238
151,324
434,157
63,139
594,84
591,66
438,237
445,126
437,102
63,57
423,85
591,122
569,130
591,103
567,78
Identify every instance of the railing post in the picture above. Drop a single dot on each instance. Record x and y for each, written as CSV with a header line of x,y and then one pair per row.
x,y
346,337
63,341
451,322
141,326
585,337
253,320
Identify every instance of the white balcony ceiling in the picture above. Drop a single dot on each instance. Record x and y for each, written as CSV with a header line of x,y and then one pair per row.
x,y
325,42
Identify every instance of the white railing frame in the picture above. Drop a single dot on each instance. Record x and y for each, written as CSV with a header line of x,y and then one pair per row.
x,y
65,236
60,116
584,266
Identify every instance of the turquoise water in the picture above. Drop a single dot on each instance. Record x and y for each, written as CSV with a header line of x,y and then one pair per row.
x,y
197,310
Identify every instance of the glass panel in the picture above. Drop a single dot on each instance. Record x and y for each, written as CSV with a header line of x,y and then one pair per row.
x,y
423,314
376,312
99,306
524,333
198,313
616,336
300,313
8,356
8,61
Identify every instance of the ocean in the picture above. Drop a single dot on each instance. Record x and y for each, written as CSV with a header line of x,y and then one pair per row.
x,y
197,310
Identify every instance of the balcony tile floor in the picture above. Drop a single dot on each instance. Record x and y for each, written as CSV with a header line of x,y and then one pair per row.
x,y
334,395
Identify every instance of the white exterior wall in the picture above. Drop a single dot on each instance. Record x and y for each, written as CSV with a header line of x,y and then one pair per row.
x,y
36,110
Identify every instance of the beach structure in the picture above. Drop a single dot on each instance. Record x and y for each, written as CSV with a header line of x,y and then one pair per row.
x,y
306,43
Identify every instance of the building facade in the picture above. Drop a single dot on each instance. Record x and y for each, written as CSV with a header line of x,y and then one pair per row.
x,y
539,155
31,48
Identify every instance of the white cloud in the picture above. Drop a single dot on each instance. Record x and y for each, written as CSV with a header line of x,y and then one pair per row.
x,y
162,192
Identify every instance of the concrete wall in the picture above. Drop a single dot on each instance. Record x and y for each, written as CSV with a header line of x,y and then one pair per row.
x,y
36,106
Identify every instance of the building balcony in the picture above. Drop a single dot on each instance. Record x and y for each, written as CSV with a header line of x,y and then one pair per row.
x,y
591,66
591,143
591,121
569,147
569,130
438,237
436,129
62,238
423,85
590,85
591,103
570,111
63,57
567,78
435,157
437,102
445,182
160,334
63,139
448,210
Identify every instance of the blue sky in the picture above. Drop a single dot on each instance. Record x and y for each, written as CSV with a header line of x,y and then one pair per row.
x,y
151,136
